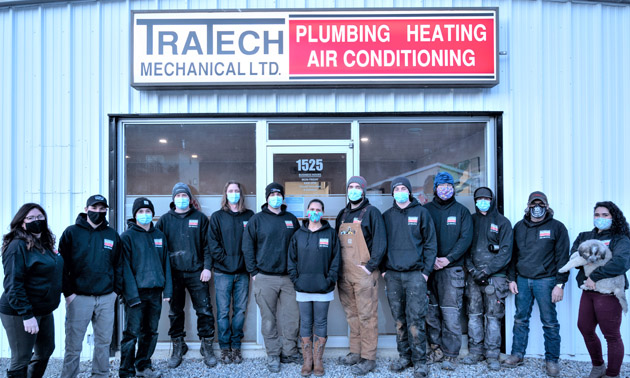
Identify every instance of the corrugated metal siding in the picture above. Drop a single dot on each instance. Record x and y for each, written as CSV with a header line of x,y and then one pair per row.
x,y
564,91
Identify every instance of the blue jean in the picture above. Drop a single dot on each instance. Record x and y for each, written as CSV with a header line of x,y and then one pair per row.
x,y
540,290
313,314
231,287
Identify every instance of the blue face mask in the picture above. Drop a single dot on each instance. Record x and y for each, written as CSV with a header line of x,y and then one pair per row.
x,y
483,205
355,194
144,219
182,202
314,216
275,201
401,197
233,198
602,223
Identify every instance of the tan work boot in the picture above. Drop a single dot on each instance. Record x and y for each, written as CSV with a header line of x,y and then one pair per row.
x,y
307,354
597,372
318,355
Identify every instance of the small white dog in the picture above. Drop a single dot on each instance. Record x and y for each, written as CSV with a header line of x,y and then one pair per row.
x,y
592,254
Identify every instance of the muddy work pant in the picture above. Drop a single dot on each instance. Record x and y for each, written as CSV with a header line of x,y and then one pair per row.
x,y
486,309
446,294
407,297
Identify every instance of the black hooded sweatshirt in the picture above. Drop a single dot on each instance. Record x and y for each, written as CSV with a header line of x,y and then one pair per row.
x,y
619,263
411,239
32,280
225,240
266,241
373,230
93,263
492,228
540,249
314,259
454,229
187,237
147,265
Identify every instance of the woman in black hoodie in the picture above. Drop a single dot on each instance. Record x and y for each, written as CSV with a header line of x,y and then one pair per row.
x,y
32,290
313,266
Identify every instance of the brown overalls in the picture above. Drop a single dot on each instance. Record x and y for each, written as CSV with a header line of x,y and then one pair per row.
x,y
358,291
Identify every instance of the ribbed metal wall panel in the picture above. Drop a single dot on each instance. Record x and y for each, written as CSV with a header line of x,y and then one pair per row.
x,y
564,90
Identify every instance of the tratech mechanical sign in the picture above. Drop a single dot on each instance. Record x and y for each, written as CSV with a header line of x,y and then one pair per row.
x,y
316,48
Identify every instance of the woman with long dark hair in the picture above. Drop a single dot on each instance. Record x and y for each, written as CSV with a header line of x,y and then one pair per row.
x,y
32,290
604,310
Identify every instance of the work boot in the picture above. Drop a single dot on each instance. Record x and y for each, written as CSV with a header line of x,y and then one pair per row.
x,y
307,354
472,359
513,361
363,367
553,368
292,359
449,363
494,364
148,373
20,373
179,350
318,355
226,356
237,357
597,372
435,355
400,364
350,359
207,352
420,371
273,364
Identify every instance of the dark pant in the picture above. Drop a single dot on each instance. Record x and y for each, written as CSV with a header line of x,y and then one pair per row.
x,y
407,297
200,298
313,314
231,287
141,324
486,308
605,310
446,294
32,351
540,290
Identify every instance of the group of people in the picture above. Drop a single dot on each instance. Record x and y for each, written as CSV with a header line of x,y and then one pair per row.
x,y
431,257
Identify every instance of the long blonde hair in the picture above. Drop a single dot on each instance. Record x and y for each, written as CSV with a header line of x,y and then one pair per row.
x,y
225,204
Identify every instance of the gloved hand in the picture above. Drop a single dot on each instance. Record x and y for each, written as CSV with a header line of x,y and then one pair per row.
x,y
479,276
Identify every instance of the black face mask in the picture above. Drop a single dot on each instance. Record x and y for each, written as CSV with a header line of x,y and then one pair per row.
x,y
96,217
36,226
537,211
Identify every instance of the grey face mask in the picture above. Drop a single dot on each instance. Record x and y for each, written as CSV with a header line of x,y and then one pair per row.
x,y
538,211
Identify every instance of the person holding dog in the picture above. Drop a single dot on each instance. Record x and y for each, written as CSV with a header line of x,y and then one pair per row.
x,y
604,310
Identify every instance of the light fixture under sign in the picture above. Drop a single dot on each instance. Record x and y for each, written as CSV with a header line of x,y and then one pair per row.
x,y
163,141
194,156
364,139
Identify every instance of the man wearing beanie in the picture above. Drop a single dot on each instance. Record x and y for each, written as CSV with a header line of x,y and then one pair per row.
x,y
486,282
146,278
265,248
363,243
454,228
541,248
411,251
186,231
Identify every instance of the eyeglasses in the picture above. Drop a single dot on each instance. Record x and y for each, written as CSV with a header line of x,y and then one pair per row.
x,y
32,217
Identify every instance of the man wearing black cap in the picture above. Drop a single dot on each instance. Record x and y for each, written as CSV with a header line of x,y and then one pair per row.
x,y
363,244
541,248
92,276
147,276
411,251
186,231
486,282
265,248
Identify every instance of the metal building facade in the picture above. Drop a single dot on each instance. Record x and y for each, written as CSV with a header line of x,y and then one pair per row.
x,y
564,92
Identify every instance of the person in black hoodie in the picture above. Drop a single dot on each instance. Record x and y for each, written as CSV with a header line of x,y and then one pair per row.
x,y
146,278
486,282
92,277
265,247
33,273
313,266
231,281
604,310
454,229
363,244
186,231
411,251
540,249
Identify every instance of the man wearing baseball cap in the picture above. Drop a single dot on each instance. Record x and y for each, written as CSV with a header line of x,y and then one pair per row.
x,y
92,277
265,248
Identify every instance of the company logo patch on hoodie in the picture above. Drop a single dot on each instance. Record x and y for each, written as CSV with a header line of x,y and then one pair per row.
x,y
494,228
451,221
288,223
323,242
545,234
606,242
412,221
244,223
356,220
193,223
109,244
158,242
